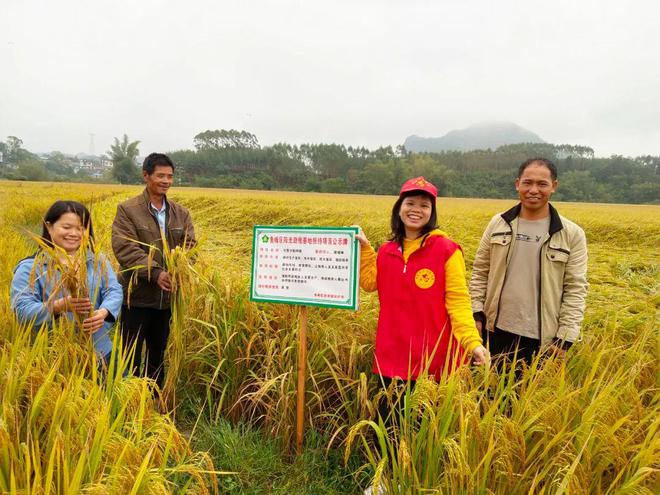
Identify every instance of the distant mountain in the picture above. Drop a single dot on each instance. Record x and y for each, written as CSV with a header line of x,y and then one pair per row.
x,y
477,136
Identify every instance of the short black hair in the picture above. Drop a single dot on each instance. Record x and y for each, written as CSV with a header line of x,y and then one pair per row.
x,y
59,208
155,159
541,161
396,224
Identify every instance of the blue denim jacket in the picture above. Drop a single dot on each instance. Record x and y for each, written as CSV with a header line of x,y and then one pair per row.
x,y
28,302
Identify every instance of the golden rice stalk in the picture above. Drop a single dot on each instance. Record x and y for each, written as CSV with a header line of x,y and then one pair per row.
x,y
178,262
67,273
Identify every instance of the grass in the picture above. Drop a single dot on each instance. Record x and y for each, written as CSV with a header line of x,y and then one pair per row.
x,y
584,425
259,466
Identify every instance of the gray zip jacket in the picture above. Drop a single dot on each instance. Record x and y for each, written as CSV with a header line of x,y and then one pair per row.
x,y
563,263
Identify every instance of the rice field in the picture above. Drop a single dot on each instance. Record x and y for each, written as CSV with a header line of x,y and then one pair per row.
x,y
584,425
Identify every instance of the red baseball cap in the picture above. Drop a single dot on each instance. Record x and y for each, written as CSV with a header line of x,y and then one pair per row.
x,y
419,184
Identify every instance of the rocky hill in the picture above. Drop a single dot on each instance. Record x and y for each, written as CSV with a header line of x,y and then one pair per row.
x,y
483,135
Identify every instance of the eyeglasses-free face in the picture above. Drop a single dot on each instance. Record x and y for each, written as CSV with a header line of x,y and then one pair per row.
x,y
415,213
66,232
535,187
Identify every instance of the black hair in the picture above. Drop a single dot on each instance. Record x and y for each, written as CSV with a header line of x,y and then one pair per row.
x,y
59,208
541,161
396,224
155,159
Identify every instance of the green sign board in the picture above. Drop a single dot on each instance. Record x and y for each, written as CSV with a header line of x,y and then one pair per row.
x,y
308,266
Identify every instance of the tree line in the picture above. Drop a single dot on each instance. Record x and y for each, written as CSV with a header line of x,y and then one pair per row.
x,y
17,163
235,159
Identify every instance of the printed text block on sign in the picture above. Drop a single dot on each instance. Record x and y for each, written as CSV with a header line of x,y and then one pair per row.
x,y
310,266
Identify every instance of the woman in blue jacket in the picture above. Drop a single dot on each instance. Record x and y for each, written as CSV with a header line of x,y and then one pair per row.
x,y
37,295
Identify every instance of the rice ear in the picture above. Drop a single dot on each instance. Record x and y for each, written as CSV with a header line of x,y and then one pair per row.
x,y
150,261
66,272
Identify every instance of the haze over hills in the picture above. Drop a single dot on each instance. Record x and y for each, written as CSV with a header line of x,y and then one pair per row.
x,y
483,135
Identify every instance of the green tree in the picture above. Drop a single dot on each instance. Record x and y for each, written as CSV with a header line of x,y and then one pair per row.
x,y
380,178
125,171
57,163
14,152
124,155
31,170
13,148
334,185
225,139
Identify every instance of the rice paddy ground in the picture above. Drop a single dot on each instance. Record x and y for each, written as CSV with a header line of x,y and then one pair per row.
x,y
587,424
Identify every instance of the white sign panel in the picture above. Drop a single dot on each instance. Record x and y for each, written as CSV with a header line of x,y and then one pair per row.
x,y
310,266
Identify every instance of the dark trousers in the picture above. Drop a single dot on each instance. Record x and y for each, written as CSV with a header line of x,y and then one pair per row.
x,y
148,327
504,345
104,365
391,410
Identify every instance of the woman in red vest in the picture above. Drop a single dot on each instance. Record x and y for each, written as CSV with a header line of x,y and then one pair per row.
x,y
425,322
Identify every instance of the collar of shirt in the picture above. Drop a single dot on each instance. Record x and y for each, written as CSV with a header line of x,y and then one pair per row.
x,y
162,208
160,214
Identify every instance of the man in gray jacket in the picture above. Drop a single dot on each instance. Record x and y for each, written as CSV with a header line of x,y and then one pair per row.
x,y
138,231
529,280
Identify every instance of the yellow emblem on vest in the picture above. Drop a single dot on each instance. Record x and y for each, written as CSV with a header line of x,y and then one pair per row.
x,y
424,278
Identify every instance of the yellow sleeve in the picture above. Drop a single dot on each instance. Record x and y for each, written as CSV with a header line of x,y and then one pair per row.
x,y
457,302
368,269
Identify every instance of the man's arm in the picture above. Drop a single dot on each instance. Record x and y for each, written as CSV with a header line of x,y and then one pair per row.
x,y
571,311
479,279
128,251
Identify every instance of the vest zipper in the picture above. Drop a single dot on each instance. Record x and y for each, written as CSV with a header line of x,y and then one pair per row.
x,y
421,245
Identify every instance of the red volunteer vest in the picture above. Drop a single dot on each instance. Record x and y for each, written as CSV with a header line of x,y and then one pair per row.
x,y
414,329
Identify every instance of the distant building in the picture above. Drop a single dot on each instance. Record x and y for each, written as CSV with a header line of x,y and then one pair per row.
x,y
94,166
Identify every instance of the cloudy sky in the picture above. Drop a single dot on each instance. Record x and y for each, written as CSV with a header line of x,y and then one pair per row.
x,y
355,72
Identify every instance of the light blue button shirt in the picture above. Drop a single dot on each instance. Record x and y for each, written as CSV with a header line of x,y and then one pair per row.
x,y
160,214
28,299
